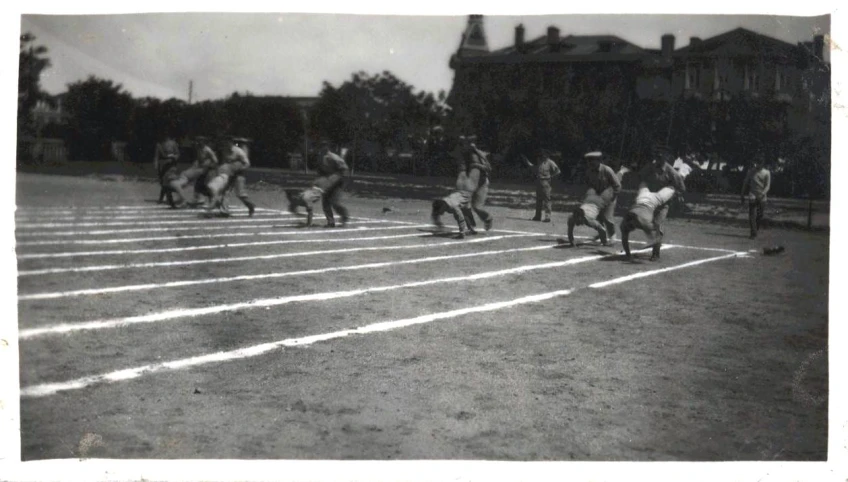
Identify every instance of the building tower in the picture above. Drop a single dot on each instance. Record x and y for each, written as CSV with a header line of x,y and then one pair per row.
x,y
473,40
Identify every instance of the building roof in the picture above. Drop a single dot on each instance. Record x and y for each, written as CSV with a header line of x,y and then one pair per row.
x,y
575,45
739,43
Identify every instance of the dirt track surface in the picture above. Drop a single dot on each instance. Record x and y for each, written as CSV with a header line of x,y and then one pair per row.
x,y
724,360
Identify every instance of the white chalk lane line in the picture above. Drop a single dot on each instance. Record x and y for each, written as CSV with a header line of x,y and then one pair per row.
x,y
301,231
162,264
665,245
117,252
179,313
155,216
189,217
152,222
177,284
108,209
42,209
48,234
47,389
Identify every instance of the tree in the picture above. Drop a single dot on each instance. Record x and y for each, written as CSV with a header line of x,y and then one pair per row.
x,y
378,110
98,114
31,63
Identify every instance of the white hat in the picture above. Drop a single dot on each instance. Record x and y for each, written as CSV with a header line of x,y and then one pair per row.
x,y
593,154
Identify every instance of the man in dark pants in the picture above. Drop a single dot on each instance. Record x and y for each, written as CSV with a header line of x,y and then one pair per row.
x,y
755,190
165,160
477,168
544,170
334,168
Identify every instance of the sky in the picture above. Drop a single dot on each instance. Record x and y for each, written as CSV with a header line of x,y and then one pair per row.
x,y
294,53
158,54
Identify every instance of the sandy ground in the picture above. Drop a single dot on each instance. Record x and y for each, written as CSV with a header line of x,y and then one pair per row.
x,y
725,360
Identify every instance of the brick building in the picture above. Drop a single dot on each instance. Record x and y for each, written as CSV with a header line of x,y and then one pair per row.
x,y
571,93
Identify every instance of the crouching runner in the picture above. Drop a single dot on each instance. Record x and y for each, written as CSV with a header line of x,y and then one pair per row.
x,y
231,170
642,215
307,197
587,214
457,203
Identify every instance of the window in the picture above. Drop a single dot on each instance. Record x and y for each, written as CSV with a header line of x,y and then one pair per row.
x,y
752,79
693,78
781,81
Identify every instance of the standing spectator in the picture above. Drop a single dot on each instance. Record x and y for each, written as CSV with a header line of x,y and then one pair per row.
x,y
335,170
755,190
606,184
544,170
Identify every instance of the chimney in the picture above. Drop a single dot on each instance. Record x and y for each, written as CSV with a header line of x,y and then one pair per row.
x,y
694,41
553,38
667,45
818,46
519,37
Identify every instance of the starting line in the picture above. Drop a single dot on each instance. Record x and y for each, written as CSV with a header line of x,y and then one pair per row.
x,y
46,389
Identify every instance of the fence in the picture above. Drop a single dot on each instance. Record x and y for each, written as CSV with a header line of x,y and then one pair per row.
x,y
38,151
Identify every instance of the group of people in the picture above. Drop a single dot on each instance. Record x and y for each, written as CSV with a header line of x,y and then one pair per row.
x,y
472,189
659,184
213,178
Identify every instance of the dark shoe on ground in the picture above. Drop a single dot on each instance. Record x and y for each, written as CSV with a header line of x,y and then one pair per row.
x,y
773,250
546,220
535,219
488,224
250,210
330,225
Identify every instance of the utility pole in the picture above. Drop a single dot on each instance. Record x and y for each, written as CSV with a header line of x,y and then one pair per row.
x,y
190,89
305,139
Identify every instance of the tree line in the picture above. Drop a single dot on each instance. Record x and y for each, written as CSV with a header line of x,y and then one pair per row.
x,y
385,125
